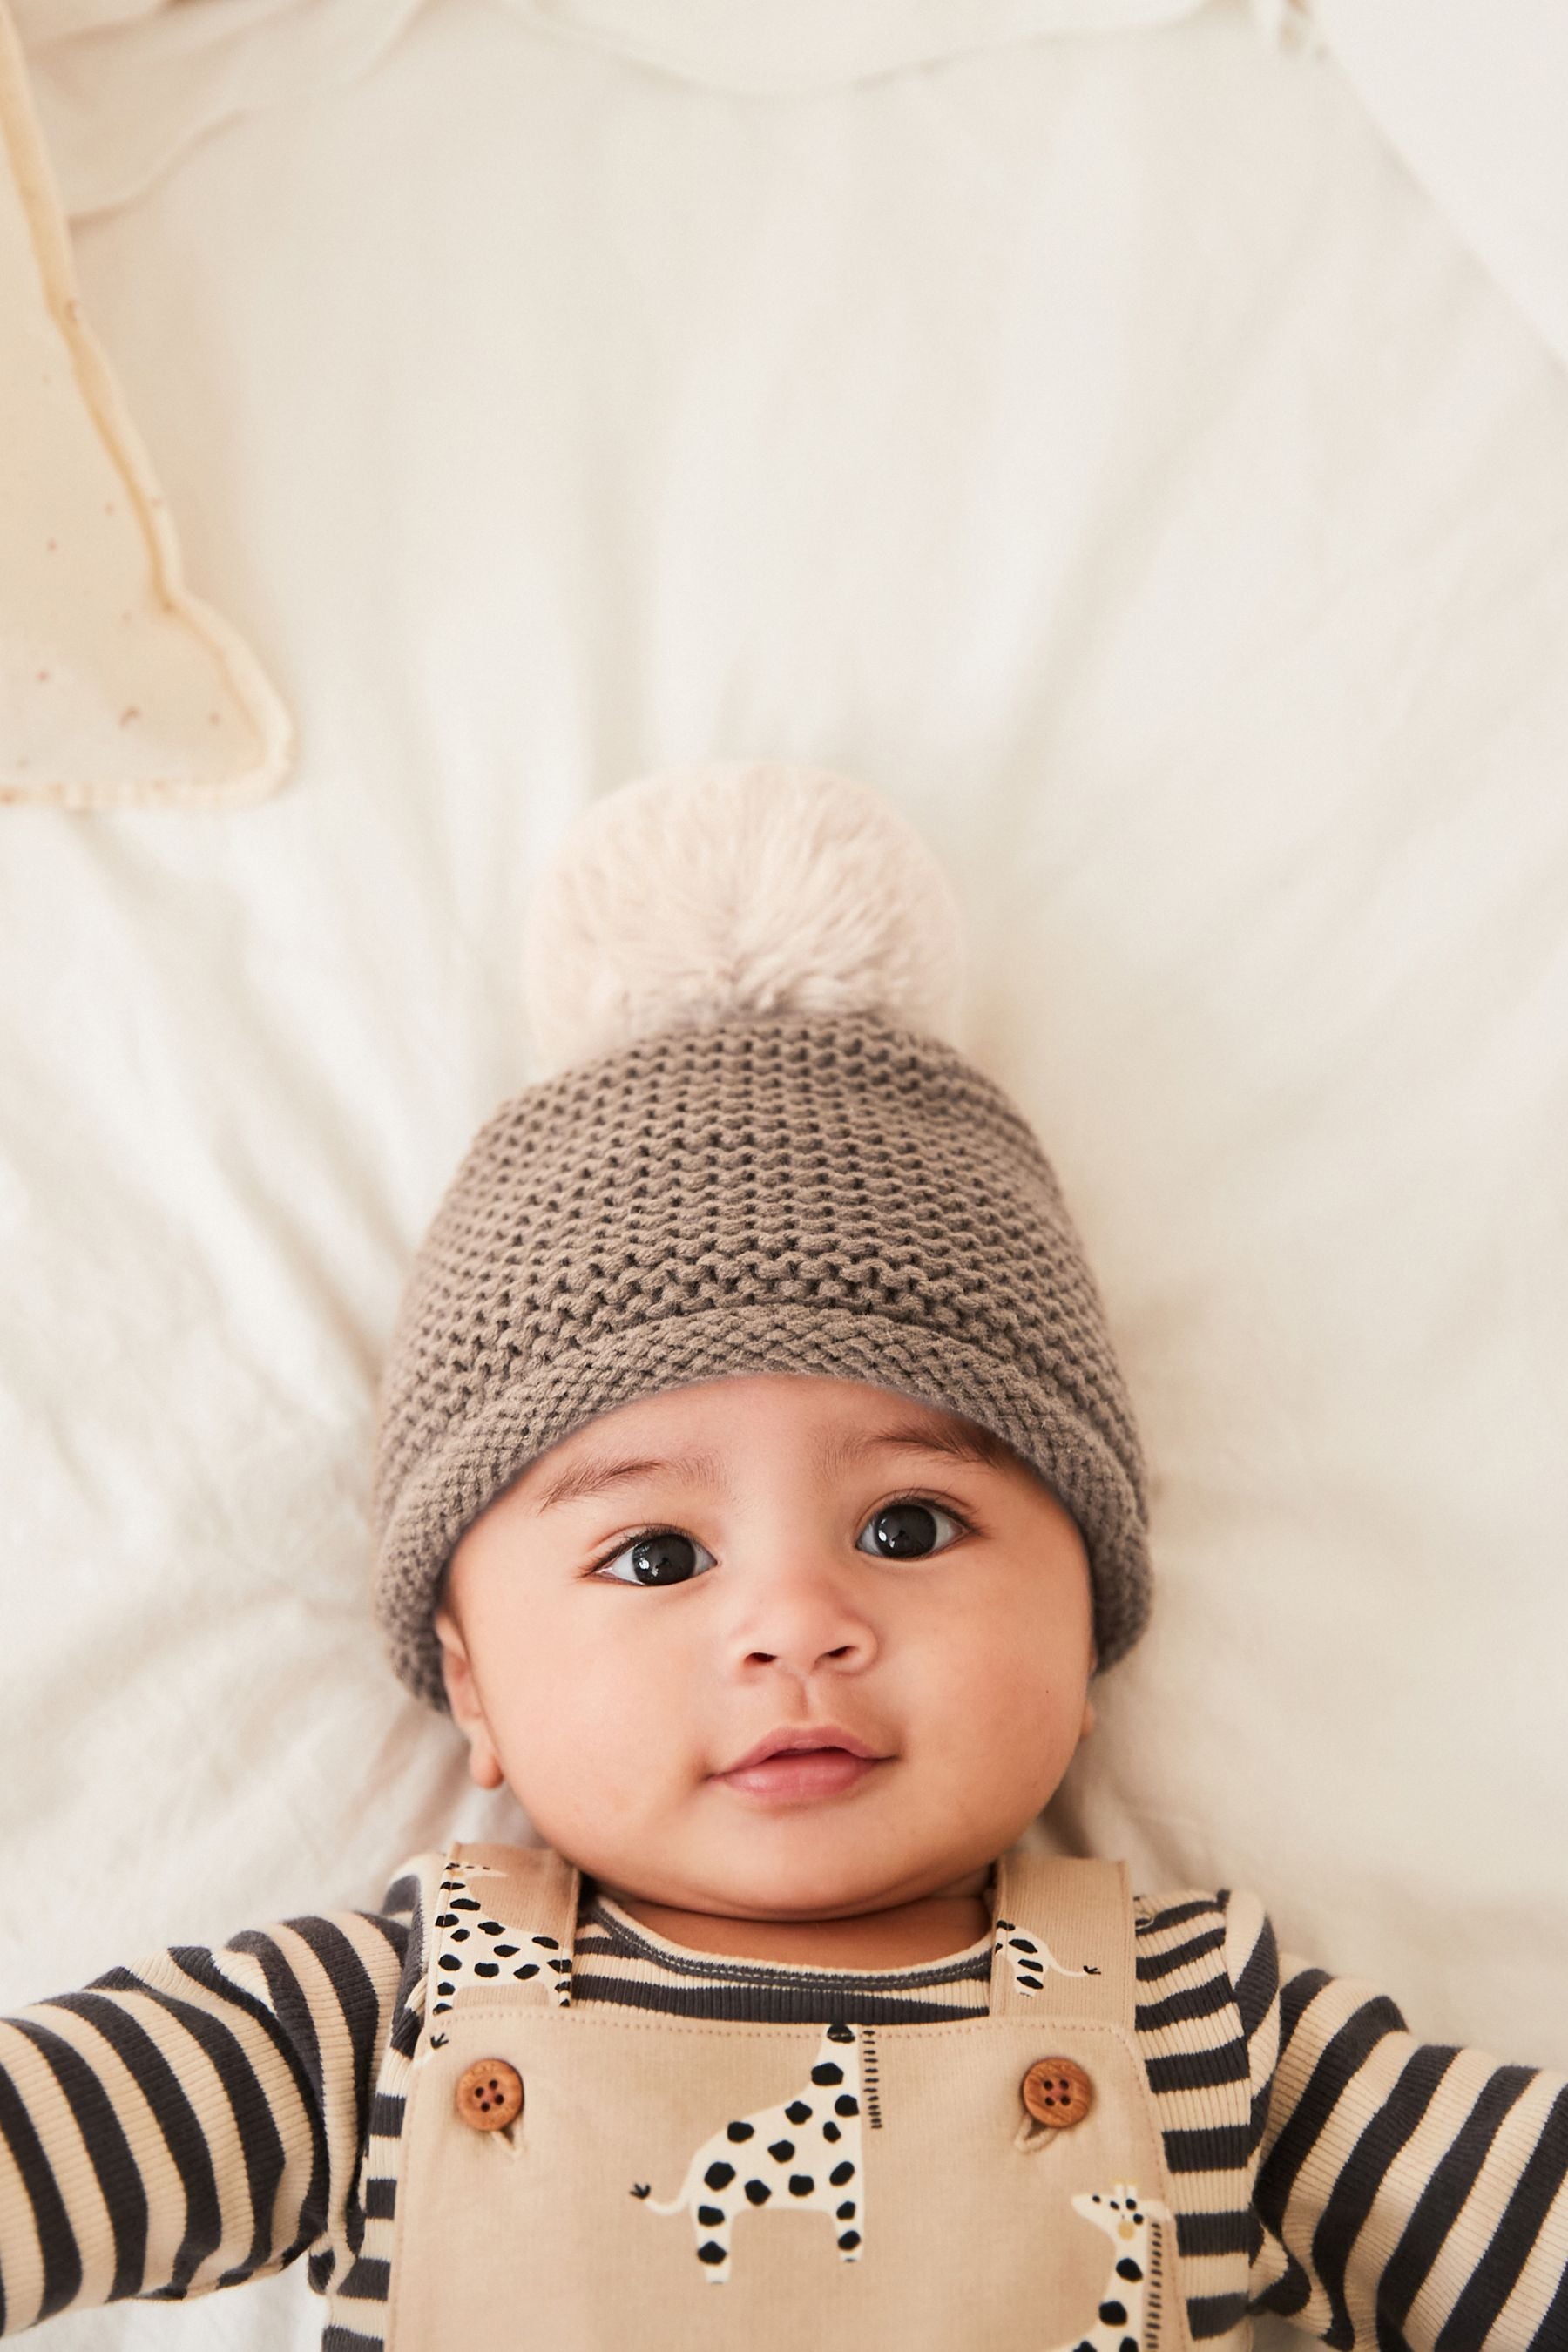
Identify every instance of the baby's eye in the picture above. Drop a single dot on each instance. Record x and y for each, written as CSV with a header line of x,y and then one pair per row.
x,y
907,1530
663,1555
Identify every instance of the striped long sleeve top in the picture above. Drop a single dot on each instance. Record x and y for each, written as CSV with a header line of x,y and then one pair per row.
x,y
211,2115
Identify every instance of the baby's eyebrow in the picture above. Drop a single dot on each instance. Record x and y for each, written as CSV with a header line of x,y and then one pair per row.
x,y
597,1476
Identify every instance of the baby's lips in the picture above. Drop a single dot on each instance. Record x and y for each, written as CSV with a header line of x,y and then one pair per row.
x,y
797,1737
802,1772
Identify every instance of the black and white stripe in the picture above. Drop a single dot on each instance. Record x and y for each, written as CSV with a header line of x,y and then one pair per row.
x,y
1409,2193
617,1960
193,2122
200,2119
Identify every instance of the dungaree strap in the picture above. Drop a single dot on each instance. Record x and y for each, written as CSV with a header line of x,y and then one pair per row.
x,y
1062,1939
506,1926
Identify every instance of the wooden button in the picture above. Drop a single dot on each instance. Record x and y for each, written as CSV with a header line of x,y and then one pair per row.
x,y
490,2094
1057,2092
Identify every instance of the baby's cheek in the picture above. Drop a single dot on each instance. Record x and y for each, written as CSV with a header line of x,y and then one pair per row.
x,y
589,1738
1020,1702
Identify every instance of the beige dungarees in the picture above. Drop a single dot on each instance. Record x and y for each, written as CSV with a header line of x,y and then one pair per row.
x,y
682,2185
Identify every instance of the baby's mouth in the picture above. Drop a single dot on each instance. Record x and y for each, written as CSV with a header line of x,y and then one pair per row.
x,y
795,1774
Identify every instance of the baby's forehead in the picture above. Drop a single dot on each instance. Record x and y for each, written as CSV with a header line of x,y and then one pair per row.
x,y
821,1424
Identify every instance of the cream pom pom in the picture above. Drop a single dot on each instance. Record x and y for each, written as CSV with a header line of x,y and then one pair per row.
x,y
707,894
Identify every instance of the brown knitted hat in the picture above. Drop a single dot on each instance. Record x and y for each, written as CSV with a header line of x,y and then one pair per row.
x,y
765,1189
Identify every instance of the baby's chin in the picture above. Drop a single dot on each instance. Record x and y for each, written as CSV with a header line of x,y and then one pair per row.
x,y
711,1849
816,1877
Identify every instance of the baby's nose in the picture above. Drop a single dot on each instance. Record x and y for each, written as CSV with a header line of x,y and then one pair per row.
x,y
802,1616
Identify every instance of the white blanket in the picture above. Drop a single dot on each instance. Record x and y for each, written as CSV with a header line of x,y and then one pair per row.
x,y
1473,100
125,86
1103,446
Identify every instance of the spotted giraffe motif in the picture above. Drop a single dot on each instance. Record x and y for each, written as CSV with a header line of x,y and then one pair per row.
x,y
805,2152
469,1949
1032,1960
1131,2291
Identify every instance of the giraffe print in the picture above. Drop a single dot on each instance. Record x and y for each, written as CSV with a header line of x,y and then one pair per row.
x,y
1032,1960
469,1949
805,2152
1131,2293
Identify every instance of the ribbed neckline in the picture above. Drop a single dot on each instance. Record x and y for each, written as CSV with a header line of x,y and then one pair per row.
x,y
685,1958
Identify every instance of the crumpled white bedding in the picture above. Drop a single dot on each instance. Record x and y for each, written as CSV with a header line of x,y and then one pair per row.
x,y
126,86
1105,448
1472,99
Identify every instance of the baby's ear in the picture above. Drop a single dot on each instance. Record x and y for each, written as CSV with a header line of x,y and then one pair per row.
x,y
463,1698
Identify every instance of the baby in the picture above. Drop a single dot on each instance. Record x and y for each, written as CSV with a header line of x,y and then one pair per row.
x,y
757,1487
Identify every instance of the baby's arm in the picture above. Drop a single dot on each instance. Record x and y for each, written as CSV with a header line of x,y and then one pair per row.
x,y
195,2121
1408,2194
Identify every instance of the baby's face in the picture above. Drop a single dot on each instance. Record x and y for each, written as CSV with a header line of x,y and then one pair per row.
x,y
697,1570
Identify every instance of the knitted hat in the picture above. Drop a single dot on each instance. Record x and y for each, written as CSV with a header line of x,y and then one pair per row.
x,y
754,1149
